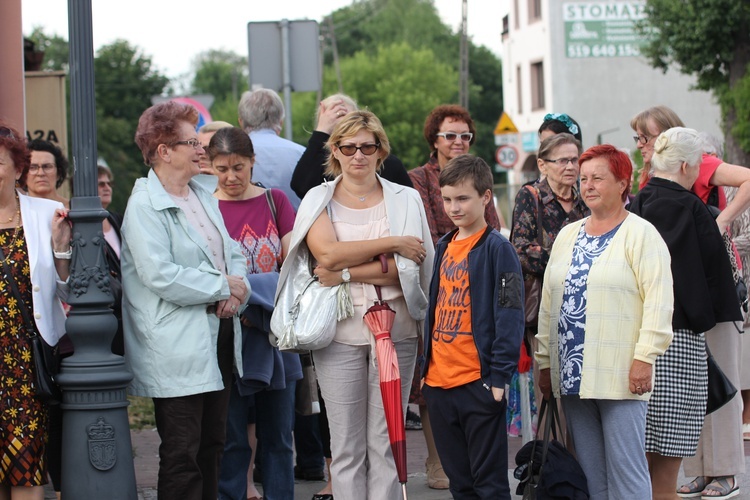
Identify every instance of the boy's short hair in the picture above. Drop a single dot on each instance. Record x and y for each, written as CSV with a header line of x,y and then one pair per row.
x,y
467,167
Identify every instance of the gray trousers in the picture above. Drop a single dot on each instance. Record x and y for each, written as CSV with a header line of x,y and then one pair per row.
x,y
610,438
362,465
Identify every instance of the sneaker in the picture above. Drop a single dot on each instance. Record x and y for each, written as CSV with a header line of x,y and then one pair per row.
x,y
413,422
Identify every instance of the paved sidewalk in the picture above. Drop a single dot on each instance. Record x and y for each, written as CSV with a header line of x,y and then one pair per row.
x,y
145,450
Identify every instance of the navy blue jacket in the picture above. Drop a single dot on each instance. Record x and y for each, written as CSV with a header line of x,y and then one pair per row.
x,y
496,298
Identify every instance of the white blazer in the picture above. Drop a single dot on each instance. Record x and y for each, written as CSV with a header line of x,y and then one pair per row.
x,y
46,288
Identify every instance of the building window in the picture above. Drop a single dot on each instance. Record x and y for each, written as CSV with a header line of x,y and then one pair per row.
x,y
535,10
518,89
537,85
516,15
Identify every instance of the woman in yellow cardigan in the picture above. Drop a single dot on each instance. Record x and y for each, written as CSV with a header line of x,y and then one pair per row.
x,y
606,315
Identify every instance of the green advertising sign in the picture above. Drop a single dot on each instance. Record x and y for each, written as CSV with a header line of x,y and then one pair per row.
x,y
602,29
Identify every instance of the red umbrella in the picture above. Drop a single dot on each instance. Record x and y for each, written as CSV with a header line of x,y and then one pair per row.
x,y
379,319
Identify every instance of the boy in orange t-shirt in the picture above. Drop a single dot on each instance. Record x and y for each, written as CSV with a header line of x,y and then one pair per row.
x,y
473,333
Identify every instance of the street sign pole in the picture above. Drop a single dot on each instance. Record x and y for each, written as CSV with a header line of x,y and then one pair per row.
x,y
286,77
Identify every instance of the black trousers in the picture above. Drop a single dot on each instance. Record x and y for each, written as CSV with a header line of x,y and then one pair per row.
x,y
471,439
192,431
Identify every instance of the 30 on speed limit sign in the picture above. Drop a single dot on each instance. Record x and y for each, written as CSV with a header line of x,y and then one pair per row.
x,y
506,156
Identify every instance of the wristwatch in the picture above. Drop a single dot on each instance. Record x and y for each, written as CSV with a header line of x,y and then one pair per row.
x,y
345,275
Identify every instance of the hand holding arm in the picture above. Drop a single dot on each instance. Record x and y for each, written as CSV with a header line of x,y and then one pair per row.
x,y
336,255
369,272
237,287
228,308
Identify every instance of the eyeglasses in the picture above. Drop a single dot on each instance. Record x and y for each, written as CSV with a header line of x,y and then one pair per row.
x,y
451,136
366,149
190,142
563,161
6,132
641,139
103,184
45,167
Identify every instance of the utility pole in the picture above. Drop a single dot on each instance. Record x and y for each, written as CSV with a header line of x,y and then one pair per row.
x,y
334,47
463,91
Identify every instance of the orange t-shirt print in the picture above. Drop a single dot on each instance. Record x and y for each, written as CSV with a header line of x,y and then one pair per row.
x,y
454,360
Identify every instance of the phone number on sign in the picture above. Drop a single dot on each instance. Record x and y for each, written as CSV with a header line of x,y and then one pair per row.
x,y
604,50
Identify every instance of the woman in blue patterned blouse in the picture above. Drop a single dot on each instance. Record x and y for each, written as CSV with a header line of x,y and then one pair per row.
x,y
605,316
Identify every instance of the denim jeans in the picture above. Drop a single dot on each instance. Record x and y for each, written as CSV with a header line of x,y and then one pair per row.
x,y
274,425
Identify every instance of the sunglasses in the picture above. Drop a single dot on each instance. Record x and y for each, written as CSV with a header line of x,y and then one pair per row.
x,y
366,149
451,136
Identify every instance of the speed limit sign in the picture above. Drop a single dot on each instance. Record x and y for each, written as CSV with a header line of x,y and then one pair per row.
x,y
506,156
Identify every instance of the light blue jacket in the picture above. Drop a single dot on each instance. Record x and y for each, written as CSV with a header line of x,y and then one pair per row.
x,y
168,280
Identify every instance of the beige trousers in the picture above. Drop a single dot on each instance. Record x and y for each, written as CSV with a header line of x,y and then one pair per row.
x,y
720,448
362,465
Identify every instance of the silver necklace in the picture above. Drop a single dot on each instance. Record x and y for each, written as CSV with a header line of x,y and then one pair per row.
x,y
360,198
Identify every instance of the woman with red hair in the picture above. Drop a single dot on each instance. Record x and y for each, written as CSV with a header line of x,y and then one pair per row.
x,y
184,286
605,316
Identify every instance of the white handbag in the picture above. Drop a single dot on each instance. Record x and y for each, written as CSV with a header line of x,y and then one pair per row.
x,y
305,314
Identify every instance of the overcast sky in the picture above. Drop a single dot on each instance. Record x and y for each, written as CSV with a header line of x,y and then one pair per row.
x,y
173,32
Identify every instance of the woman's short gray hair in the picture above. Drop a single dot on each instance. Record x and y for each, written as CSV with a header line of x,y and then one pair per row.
x,y
712,145
674,146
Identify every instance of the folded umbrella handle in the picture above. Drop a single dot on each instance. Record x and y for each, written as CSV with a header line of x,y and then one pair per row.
x,y
383,262
384,267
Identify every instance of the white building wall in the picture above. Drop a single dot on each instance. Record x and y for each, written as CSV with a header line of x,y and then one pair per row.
x,y
601,93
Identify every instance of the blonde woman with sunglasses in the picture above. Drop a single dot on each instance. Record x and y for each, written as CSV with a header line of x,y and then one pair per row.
x,y
346,224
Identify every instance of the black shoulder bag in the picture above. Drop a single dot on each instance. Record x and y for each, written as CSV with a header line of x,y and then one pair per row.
x,y
46,358
546,470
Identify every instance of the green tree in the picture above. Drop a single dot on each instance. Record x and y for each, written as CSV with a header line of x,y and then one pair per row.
x,y
711,40
125,81
55,48
367,25
222,74
392,84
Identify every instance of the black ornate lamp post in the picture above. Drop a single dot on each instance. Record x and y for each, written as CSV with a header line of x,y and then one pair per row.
x,y
97,455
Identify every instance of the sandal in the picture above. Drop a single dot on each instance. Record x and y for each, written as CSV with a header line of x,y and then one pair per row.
x,y
720,485
694,489
746,432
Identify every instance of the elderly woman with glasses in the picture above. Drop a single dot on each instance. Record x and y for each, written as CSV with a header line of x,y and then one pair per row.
x,y
346,224
46,173
184,285
543,208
